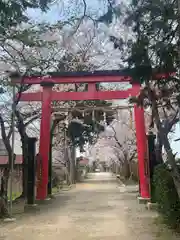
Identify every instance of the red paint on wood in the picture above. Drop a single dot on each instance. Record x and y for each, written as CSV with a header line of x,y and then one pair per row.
x,y
44,142
92,87
4,160
74,79
75,96
142,152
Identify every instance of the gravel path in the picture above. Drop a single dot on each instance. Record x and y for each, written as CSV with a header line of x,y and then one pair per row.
x,y
96,210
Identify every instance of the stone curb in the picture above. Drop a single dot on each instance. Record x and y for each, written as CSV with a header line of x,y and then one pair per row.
x,y
152,206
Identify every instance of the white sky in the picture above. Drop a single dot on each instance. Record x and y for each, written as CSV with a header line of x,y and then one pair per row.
x,y
96,7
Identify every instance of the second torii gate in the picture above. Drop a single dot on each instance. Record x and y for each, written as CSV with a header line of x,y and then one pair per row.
x,y
91,78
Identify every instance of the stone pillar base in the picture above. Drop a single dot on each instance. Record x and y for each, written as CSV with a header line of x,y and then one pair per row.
x,y
30,207
45,201
151,206
52,196
142,200
10,219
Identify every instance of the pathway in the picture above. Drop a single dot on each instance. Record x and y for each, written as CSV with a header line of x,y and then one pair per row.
x,y
94,210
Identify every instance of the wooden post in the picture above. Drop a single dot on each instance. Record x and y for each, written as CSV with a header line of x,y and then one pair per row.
x,y
45,140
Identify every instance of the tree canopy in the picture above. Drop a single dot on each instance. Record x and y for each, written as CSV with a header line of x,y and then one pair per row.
x,y
155,33
14,12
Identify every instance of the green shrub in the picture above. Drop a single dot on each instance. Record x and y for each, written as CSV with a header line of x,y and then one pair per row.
x,y
165,195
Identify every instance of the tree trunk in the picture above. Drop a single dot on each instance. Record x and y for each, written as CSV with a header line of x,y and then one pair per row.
x,y
172,162
158,149
127,170
5,175
24,169
24,140
163,134
72,165
117,169
67,165
4,194
68,178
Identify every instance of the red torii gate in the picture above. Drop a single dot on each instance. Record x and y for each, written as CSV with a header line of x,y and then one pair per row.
x,y
91,78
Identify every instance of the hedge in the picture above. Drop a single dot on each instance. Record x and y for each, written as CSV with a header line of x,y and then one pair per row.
x,y
165,195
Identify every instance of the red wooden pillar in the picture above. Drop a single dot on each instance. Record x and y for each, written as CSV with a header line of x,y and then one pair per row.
x,y
142,151
44,144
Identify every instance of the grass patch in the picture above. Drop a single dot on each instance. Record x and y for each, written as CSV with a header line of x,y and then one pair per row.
x,y
14,195
165,195
163,231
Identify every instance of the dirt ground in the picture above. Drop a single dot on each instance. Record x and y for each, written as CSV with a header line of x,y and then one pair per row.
x,y
97,209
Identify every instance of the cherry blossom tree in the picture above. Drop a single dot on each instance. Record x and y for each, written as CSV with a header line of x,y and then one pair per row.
x,y
117,144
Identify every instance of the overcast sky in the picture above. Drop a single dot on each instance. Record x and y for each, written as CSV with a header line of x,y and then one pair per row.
x,y
62,12
96,7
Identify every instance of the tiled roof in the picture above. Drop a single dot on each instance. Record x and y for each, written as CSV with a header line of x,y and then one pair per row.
x,y
4,160
19,160
83,160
